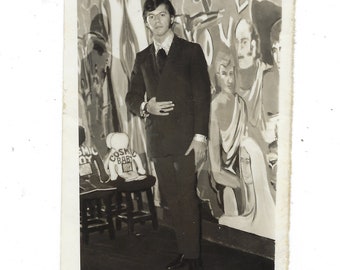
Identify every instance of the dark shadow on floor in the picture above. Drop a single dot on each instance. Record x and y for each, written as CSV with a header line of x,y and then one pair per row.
x,y
152,250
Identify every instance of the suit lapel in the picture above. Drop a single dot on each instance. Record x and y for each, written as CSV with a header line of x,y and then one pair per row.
x,y
174,49
151,63
171,59
151,69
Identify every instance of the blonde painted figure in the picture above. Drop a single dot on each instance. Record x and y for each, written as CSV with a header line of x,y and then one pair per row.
x,y
227,128
236,160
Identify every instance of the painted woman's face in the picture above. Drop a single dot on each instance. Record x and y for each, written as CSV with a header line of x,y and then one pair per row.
x,y
245,166
226,78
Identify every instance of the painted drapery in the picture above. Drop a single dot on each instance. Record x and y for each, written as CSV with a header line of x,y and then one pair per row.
x,y
110,32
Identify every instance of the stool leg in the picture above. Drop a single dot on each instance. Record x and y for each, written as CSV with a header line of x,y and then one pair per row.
x,y
152,209
119,210
108,211
129,206
84,223
98,205
139,200
138,195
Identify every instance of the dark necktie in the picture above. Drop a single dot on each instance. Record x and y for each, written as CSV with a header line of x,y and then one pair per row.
x,y
161,58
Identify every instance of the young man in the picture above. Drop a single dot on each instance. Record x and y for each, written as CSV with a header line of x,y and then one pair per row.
x,y
173,74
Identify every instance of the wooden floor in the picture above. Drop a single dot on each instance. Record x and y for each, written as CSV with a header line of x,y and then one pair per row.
x,y
152,250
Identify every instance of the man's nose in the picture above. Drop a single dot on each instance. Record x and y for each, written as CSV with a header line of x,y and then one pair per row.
x,y
157,17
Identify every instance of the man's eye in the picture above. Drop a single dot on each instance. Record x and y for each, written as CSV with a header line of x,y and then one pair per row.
x,y
223,73
162,14
151,17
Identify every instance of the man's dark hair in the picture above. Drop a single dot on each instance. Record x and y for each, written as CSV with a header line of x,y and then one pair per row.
x,y
151,5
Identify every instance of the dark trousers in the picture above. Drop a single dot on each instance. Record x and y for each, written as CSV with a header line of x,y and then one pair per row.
x,y
177,184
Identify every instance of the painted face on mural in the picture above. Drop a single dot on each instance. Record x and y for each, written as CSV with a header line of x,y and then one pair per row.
x,y
226,78
245,166
245,46
100,61
159,21
276,52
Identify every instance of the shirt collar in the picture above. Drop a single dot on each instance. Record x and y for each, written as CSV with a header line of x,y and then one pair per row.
x,y
166,44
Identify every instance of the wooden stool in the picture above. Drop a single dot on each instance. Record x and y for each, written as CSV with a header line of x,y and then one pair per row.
x,y
131,216
95,221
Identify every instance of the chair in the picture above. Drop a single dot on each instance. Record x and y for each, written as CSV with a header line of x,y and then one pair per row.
x,y
93,216
94,189
129,215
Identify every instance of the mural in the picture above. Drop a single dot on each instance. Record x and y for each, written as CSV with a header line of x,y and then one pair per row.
x,y
241,43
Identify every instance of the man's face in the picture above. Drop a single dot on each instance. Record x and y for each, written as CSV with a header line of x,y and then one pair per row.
x,y
158,21
276,53
226,78
244,44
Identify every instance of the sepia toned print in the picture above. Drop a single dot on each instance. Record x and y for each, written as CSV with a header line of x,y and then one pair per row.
x,y
237,181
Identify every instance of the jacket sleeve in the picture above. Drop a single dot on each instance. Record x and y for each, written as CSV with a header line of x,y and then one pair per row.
x,y
136,91
200,83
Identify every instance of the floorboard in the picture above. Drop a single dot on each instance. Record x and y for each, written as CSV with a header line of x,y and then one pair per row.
x,y
152,250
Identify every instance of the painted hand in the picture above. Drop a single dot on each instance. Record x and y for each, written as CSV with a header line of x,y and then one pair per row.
x,y
227,179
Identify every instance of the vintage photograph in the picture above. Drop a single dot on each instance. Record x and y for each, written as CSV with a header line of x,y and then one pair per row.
x,y
179,106
181,134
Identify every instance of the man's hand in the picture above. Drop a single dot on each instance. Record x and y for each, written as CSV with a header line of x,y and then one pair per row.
x,y
200,149
159,108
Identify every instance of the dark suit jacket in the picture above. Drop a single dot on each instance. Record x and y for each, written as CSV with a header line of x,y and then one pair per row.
x,y
185,81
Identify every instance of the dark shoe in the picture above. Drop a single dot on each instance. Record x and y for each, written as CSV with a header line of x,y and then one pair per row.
x,y
177,263
195,264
